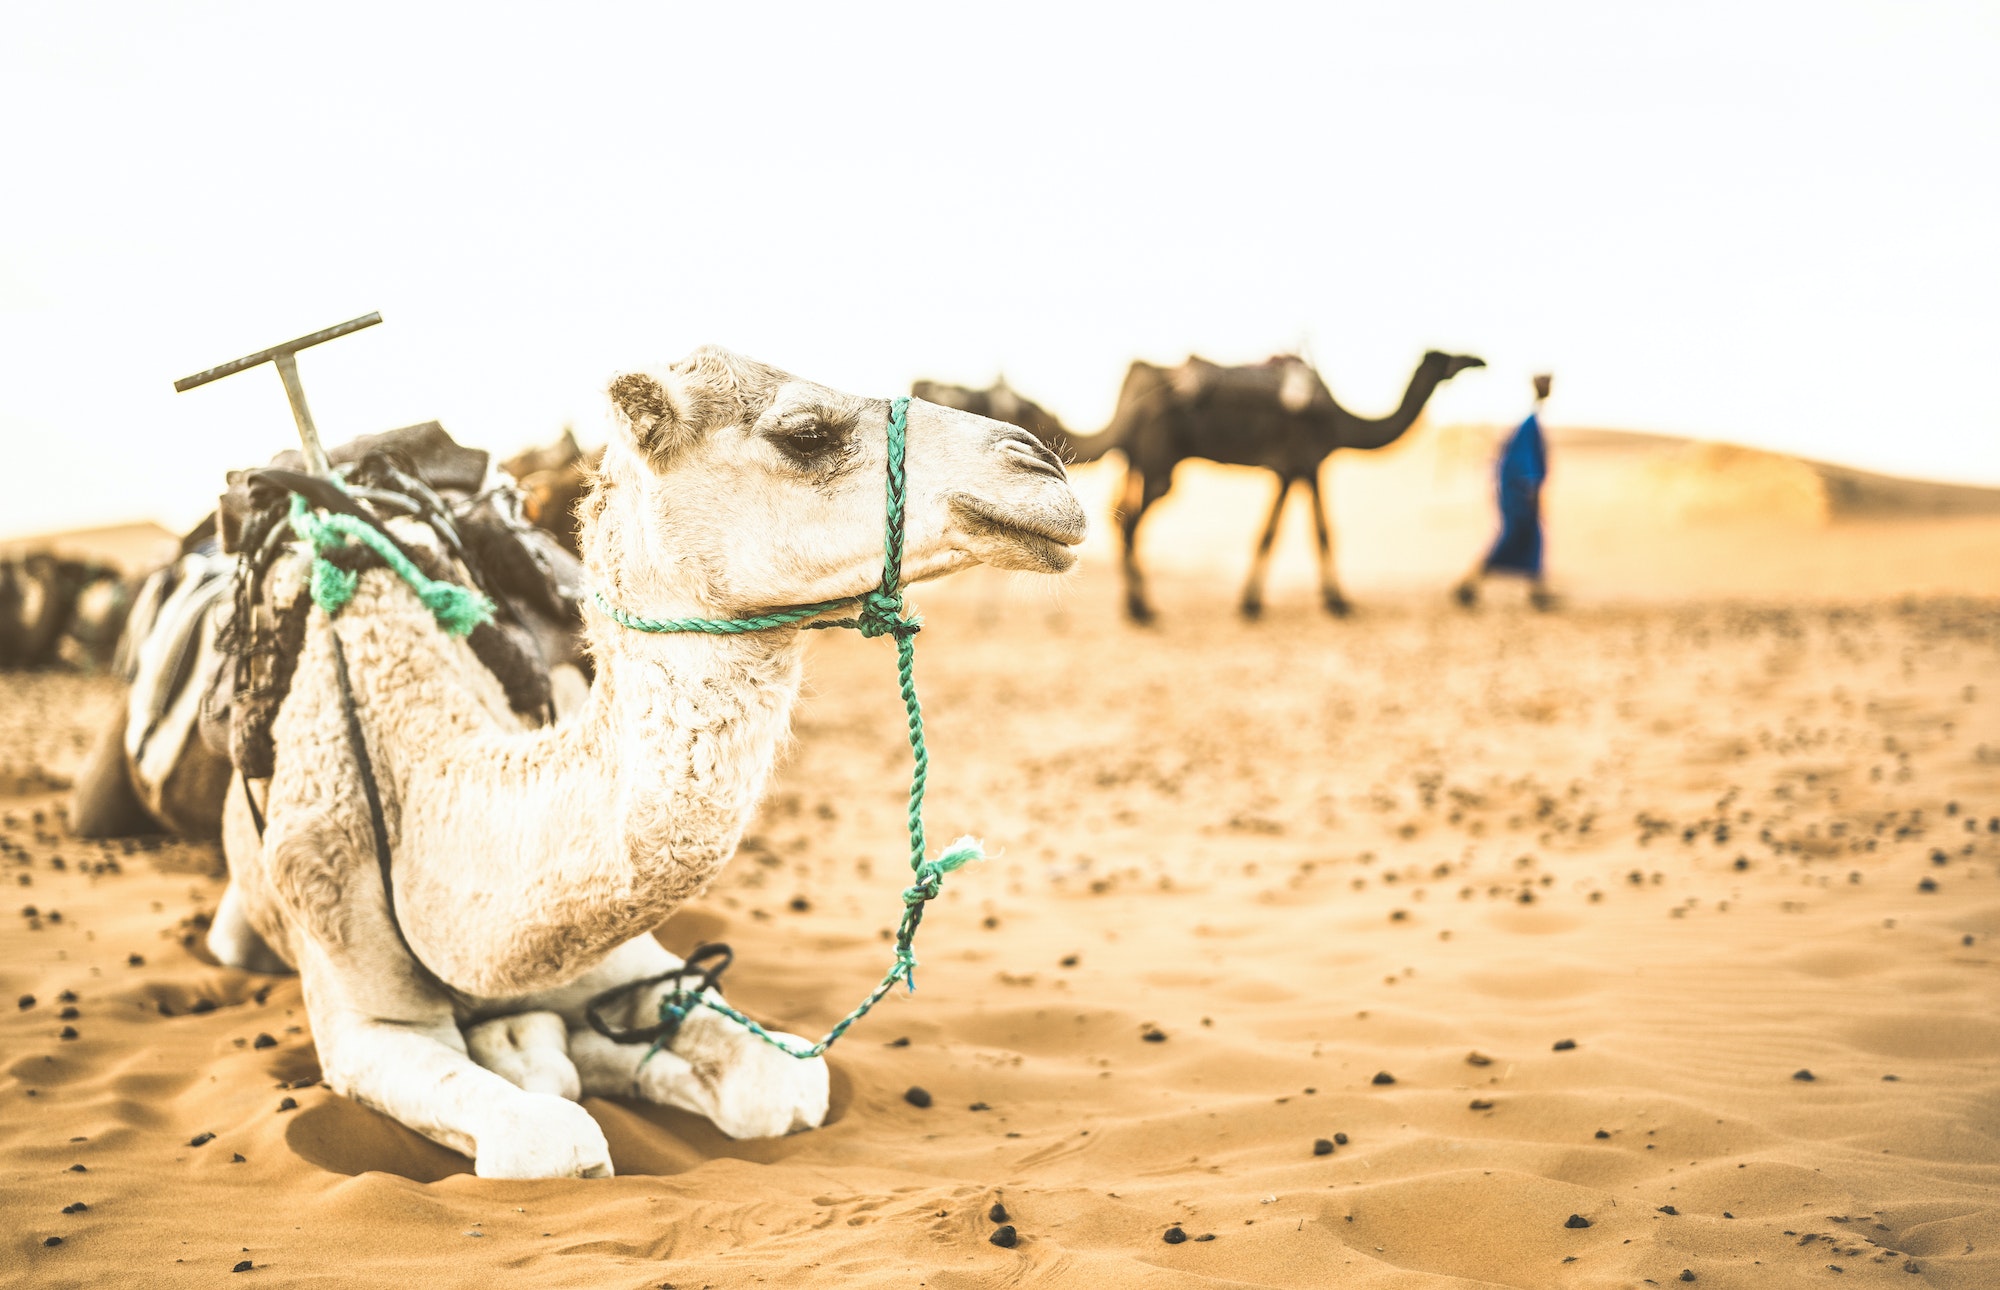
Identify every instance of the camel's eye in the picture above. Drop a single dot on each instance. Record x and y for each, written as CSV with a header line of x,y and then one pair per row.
x,y
807,440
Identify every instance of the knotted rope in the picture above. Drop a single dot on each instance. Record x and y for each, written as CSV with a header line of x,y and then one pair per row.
x,y
457,609
880,612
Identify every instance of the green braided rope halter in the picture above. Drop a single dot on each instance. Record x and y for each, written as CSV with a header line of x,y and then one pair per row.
x,y
880,613
457,609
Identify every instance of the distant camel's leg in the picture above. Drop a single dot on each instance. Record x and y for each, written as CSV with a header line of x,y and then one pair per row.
x,y
1329,581
1141,491
1253,590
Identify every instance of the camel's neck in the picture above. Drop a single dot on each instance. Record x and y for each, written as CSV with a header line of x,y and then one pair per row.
x,y
1351,431
585,836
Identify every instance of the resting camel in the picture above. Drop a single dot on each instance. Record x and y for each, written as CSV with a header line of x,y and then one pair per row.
x,y
1277,414
530,866
553,480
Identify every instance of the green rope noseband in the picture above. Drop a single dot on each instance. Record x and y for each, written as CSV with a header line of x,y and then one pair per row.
x,y
880,613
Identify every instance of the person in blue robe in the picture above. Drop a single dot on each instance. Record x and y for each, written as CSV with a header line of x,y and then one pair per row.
x,y
1523,467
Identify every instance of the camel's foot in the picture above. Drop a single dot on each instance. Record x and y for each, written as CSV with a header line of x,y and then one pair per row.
x,y
1139,611
529,1050
539,1135
1252,608
716,1069
1543,600
1466,594
1336,604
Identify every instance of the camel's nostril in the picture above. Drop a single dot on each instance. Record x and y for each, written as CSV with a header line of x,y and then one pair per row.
x,y
1031,453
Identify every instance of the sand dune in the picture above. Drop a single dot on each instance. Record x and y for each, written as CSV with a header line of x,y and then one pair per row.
x,y
1526,917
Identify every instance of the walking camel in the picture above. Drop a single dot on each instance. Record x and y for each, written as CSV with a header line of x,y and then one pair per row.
x,y
1277,414
530,866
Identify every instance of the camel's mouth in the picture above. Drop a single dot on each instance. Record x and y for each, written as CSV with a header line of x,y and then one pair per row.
x,y
1037,539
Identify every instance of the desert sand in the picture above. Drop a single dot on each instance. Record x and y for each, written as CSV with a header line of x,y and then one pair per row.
x,y
1647,941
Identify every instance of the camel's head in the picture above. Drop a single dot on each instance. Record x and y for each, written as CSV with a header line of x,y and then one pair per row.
x,y
1450,365
729,487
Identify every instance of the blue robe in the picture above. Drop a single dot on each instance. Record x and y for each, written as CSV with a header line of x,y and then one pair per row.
x,y
1524,464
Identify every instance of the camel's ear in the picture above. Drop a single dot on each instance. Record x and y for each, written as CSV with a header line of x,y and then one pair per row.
x,y
647,411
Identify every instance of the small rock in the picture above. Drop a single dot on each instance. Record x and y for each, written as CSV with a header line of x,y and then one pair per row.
x,y
917,1097
1687,1274
1383,1077
1322,1146
68,1032
288,1104
263,1041
1206,1236
78,1169
1601,1135
1479,1104
1478,1059
77,1208
1174,1236
236,1158
52,1240
1005,1237
979,1106
901,1042
27,1002
1576,1221
1928,884
1564,1045
1803,1075
1339,1139
71,1013
201,1139
1669,1210
244,1266
998,1214
1071,960
1155,1036
135,960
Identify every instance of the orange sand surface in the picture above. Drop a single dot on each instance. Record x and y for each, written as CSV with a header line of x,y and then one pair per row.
x,y
1730,817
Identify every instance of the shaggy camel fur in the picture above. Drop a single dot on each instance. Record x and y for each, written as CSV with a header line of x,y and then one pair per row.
x,y
530,867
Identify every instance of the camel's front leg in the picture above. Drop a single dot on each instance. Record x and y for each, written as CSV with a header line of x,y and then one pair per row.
x,y
415,1069
716,1068
529,1050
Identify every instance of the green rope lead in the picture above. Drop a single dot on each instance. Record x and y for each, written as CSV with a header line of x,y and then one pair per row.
x,y
880,613
457,609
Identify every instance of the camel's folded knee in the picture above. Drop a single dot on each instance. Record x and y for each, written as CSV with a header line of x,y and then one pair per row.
x,y
529,1050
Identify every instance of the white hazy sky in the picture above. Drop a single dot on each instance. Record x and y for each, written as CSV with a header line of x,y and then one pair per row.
x,y
1774,223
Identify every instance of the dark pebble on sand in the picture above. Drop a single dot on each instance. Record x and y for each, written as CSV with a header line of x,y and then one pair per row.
x,y
236,1158
1601,1135
244,1266
27,1002
1071,960
68,1014
68,1032
1174,1236
1576,1220
77,1208
200,1006
1478,1059
979,1106
288,1104
1670,1211
1322,1146
1206,1236
263,1041
52,1240
1479,1104
1383,1077
78,1169
916,1096
901,1042
201,1139
1564,1045
1687,1274
1339,1139
1155,1036
800,905
135,960
1803,1076
1005,1237
998,1214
